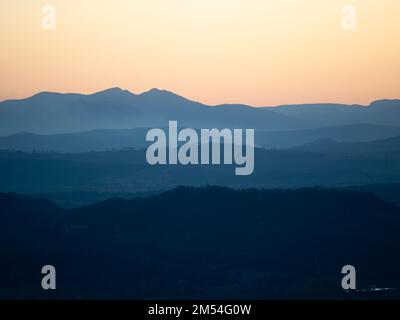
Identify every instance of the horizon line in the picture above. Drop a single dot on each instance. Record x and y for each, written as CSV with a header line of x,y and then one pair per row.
x,y
155,89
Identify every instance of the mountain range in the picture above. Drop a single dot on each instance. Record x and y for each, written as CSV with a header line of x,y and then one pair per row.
x,y
127,171
49,113
103,147
55,113
390,145
132,232
118,139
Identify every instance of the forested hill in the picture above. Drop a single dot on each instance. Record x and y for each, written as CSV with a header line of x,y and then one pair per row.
x,y
201,243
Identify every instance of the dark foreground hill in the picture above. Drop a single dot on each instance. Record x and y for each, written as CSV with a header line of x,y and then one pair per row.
x,y
201,243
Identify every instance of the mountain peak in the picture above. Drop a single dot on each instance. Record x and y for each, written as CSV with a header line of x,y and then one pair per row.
x,y
114,92
45,94
156,91
110,90
163,96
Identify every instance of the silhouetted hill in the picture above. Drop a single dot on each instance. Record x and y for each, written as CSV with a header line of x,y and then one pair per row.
x,y
96,140
105,140
127,171
328,145
201,243
23,218
69,200
51,113
388,192
381,112
360,132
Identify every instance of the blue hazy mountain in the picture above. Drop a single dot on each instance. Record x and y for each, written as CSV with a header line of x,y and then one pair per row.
x,y
50,113
357,132
381,112
390,145
127,171
117,139
95,140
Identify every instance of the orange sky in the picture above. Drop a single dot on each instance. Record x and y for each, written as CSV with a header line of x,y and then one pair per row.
x,y
258,52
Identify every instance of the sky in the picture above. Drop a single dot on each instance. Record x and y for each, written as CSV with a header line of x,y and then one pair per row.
x,y
257,52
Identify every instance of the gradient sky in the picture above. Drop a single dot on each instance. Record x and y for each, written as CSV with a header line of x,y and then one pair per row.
x,y
258,52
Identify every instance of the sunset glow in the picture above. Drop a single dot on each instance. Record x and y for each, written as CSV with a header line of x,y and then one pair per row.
x,y
266,53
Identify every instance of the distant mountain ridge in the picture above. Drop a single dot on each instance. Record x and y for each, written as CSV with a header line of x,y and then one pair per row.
x,y
128,172
119,139
54,113
332,146
50,113
380,112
